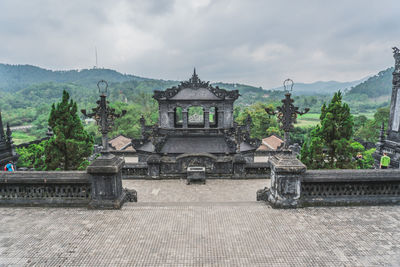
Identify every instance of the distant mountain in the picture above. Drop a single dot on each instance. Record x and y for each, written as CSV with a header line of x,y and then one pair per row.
x,y
321,87
375,86
16,77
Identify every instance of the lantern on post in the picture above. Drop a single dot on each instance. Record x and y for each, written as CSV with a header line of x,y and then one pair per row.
x,y
287,113
104,115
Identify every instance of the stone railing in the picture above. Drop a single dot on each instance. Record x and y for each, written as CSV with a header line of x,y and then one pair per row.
x,y
100,187
350,187
45,188
259,170
292,186
135,171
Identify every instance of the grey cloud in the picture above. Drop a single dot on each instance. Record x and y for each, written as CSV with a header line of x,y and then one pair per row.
x,y
253,42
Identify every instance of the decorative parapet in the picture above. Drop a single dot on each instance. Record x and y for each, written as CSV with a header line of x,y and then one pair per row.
x,y
350,187
38,188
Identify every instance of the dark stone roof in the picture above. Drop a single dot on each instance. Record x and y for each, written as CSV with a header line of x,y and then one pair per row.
x,y
147,147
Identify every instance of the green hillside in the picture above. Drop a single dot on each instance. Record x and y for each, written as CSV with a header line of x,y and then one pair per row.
x,y
16,77
374,87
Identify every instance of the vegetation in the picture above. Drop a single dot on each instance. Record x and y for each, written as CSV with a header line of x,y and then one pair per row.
x,y
71,144
27,90
330,144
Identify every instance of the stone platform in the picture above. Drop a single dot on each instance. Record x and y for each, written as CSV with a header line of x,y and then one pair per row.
x,y
200,230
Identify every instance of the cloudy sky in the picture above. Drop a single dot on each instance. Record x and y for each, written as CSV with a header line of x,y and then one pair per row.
x,y
254,42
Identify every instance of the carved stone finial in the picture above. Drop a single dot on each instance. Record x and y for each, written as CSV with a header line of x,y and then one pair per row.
x,y
195,78
1,129
9,134
382,133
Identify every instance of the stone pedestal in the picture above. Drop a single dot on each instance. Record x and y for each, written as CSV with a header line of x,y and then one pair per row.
x,y
286,176
107,192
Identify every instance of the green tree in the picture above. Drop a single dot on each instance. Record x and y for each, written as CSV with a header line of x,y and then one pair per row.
x,y
330,144
32,156
262,124
71,144
369,131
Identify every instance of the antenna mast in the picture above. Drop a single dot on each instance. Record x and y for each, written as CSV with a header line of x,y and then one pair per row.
x,y
95,52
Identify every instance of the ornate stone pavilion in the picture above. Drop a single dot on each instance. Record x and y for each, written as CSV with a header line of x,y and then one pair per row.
x,y
195,128
6,146
391,144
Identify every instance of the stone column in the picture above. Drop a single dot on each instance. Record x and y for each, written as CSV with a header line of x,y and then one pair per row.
x,y
206,117
106,176
185,118
221,118
286,177
171,118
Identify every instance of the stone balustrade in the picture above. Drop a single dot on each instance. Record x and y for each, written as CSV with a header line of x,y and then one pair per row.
x,y
39,188
292,186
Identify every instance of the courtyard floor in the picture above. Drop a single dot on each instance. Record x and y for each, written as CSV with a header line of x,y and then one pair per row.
x,y
217,224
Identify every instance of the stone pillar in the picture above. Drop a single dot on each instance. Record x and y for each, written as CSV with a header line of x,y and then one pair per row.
x,y
286,177
185,118
153,166
171,118
239,163
221,118
106,176
206,118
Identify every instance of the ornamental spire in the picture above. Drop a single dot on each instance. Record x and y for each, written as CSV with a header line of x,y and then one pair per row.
x,y
1,129
195,79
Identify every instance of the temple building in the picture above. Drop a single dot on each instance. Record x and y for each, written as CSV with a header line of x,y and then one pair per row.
x,y
391,143
7,152
195,128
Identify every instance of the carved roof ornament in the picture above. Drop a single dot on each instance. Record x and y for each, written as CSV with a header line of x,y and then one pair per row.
x,y
195,83
396,55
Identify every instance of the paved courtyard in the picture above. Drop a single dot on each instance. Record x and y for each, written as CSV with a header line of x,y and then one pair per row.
x,y
160,232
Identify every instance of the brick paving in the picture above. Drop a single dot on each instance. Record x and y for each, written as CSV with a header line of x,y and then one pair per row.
x,y
213,233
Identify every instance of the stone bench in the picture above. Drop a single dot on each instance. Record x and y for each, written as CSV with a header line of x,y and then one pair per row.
x,y
197,173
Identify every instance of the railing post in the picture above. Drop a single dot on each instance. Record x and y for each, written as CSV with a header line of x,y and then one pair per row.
x,y
106,178
286,177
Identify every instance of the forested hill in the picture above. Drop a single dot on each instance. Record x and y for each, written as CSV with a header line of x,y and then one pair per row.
x,y
321,87
376,86
16,77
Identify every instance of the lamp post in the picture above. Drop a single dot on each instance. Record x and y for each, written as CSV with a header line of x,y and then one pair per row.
x,y
287,113
104,116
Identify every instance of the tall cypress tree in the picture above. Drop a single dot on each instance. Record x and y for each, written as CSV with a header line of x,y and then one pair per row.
x,y
329,145
71,144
